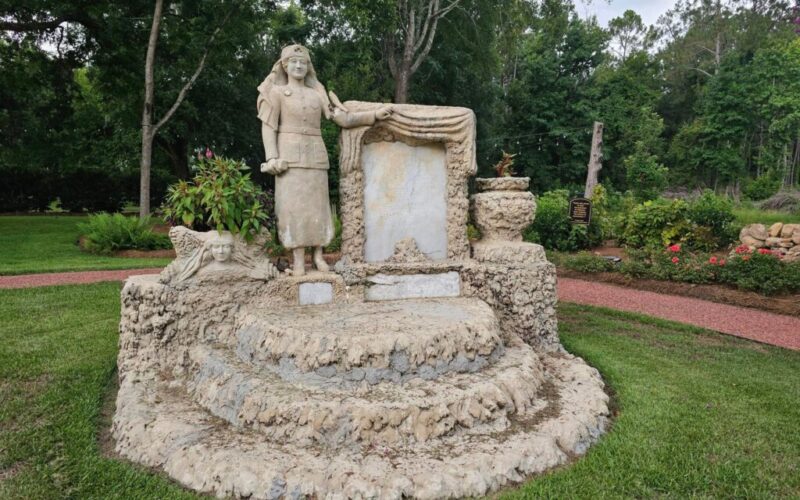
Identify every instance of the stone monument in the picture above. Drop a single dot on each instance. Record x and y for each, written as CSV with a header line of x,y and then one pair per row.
x,y
422,366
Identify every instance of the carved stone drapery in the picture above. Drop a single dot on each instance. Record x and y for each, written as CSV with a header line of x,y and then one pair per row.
x,y
453,127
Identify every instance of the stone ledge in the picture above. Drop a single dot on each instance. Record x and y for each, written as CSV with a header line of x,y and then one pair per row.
x,y
368,335
192,448
315,409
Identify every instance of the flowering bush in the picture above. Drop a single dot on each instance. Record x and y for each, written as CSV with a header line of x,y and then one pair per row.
x,y
221,196
760,271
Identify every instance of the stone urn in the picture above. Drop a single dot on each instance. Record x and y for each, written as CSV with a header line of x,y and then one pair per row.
x,y
503,207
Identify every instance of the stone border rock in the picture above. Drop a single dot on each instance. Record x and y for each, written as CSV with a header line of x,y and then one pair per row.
x,y
780,239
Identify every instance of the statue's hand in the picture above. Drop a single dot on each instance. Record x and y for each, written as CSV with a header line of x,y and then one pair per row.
x,y
384,113
275,166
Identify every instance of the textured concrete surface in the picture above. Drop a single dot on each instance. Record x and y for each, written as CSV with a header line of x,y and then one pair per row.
x,y
158,427
431,398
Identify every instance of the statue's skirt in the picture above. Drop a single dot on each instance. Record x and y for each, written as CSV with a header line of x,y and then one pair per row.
x,y
303,208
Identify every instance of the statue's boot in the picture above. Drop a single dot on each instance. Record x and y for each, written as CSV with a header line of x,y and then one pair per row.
x,y
299,265
319,261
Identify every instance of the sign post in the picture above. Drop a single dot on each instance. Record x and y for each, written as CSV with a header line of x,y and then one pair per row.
x,y
580,211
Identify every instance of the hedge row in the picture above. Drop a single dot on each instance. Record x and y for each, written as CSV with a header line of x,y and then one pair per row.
x,y
89,189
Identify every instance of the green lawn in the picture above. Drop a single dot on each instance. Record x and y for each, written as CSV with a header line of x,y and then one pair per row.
x,y
40,244
700,414
750,215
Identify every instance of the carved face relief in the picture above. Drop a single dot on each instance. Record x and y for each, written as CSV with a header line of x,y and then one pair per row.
x,y
221,248
297,67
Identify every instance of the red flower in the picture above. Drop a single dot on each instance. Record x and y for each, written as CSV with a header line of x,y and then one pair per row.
x,y
674,248
765,251
713,259
209,153
746,257
722,262
742,249
675,260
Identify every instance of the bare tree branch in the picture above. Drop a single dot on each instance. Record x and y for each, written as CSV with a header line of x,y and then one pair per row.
x,y
48,24
703,72
188,85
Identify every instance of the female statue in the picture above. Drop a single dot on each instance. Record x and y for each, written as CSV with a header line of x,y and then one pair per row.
x,y
291,102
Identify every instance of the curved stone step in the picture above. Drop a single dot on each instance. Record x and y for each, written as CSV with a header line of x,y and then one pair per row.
x,y
315,409
159,426
392,340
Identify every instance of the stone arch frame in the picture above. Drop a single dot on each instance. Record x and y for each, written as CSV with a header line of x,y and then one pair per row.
x,y
454,127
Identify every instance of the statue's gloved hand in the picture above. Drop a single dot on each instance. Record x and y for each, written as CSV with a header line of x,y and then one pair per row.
x,y
275,166
383,113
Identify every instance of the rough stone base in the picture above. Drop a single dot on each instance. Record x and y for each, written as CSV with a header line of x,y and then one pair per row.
x,y
157,425
234,388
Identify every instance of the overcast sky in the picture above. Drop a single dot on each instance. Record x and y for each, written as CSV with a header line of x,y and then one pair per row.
x,y
605,11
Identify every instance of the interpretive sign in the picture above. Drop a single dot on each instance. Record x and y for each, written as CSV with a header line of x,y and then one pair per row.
x,y
580,211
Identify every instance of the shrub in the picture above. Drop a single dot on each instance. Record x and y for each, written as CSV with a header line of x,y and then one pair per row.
x,y
787,201
105,233
656,223
764,273
713,218
705,224
762,188
25,189
644,174
221,196
585,262
552,229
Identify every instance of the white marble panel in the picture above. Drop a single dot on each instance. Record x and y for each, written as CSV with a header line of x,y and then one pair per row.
x,y
412,286
315,293
405,195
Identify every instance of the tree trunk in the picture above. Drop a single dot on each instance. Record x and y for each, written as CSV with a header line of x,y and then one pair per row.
x,y
418,24
595,159
149,130
147,114
401,87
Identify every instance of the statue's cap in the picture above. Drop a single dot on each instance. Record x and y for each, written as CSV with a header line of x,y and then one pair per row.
x,y
294,50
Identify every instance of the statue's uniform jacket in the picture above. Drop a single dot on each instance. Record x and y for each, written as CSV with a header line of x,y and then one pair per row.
x,y
301,193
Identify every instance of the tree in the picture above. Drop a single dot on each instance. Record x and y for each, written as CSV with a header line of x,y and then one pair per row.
x,y
409,43
551,104
629,34
150,129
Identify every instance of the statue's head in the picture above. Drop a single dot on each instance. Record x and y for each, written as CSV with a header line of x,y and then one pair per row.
x,y
295,61
294,50
222,247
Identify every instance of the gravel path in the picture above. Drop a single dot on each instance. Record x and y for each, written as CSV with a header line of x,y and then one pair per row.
x,y
72,278
775,329
770,328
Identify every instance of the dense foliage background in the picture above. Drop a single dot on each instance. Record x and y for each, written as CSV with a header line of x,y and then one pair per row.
x,y
708,97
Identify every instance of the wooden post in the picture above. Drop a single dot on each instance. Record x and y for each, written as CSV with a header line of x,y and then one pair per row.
x,y
595,160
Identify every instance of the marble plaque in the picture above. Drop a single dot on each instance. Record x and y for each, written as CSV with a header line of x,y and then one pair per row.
x,y
405,195
413,286
315,293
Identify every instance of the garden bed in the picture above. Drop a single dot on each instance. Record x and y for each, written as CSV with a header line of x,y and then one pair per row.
x,y
785,304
